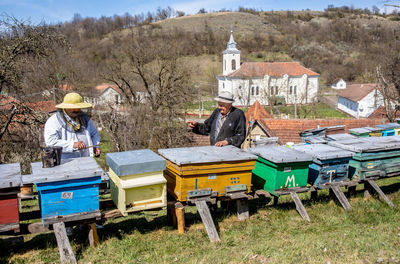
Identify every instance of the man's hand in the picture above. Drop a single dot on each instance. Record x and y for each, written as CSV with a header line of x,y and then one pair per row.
x,y
79,145
221,143
97,152
192,124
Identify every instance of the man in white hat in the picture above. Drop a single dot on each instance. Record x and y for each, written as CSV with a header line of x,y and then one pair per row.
x,y
72,129
226,125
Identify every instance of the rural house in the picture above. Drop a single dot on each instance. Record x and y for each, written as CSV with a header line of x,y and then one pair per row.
x,y
104,94
360,100
339,84
266,82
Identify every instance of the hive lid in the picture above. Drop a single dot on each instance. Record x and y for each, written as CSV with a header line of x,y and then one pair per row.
x,y
205,154
315,140
373,129
280,154
368,144
360,130
341,136
69,169
388,126
324,151
135,162
10,175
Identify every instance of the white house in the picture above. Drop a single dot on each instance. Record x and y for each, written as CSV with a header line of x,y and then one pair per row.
x,y
339,84
105,94
360,100
266,82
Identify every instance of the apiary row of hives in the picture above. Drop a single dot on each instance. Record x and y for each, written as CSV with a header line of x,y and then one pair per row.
x,y
140,179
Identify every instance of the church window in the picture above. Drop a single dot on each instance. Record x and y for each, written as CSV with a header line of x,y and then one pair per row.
x,y
252,90
276,90
257,90
291,90
271,90
295,89
233,65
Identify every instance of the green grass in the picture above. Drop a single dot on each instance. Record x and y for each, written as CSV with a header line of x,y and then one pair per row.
x,y
319,110
273,234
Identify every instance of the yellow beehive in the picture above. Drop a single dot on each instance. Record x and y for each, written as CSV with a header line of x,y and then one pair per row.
x,y
136,180
212,169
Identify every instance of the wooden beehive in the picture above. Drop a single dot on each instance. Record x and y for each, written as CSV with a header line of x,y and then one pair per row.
x,y
137,181
374,131
330,164
279,168
360,132
374,156
10,180
67,192
388,129
207,170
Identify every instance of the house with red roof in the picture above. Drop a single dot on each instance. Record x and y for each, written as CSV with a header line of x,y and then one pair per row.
x,y
266,82
360,100
339,84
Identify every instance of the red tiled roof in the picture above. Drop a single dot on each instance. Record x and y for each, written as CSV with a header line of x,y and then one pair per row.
x,y
356,91
43,106
380,112
337,80
288,129
257,112
274,69
104,86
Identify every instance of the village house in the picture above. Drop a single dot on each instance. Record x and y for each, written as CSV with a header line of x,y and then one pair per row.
x,y
339,84
360,100
266,82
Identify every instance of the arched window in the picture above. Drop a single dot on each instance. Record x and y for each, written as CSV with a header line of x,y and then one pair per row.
x,y
252,90
257,90
233,65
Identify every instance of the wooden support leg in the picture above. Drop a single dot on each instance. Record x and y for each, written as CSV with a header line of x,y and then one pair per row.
x,y
93,237
314,195
66,253
341,197
380,192
276,199
367,190
351,191
242,209
299,206
208,222
180,218
171,216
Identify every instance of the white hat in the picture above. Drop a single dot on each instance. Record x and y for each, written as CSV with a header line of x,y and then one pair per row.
x,y
225,97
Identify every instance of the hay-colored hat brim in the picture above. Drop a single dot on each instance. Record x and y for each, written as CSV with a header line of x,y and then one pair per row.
x,y
74,106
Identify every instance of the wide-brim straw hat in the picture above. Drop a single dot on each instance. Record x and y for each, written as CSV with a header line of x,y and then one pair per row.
x,y
225,97
73,101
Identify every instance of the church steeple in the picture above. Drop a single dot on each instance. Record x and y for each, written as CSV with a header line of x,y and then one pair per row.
x,y
231,56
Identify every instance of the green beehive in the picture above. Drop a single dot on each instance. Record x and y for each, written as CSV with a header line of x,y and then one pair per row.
x,y
374,156
280,168
360,132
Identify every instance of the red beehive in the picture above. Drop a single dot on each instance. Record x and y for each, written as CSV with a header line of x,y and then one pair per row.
x,y
10,180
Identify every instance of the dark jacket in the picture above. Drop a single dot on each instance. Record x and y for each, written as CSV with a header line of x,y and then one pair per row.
x,y
233,129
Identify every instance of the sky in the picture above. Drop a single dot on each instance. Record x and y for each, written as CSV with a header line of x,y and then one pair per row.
x,y
54,11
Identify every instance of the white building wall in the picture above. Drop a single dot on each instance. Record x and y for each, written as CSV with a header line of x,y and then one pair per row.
x,y
110,96
341,84
348,106
227,63
369,104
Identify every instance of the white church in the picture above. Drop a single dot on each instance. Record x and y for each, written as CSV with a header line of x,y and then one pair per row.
x,y
266,82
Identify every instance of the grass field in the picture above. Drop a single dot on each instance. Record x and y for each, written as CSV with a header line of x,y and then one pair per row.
x,y
370,233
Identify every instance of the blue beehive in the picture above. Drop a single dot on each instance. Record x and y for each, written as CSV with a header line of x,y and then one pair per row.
x,y
68,190
330,164
388,129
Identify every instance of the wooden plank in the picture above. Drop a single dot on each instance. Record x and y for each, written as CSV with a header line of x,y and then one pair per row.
x,y
74,217
64,247
341,197
299,206
242,209
380,192
208,222
9,227
93,237
263,193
